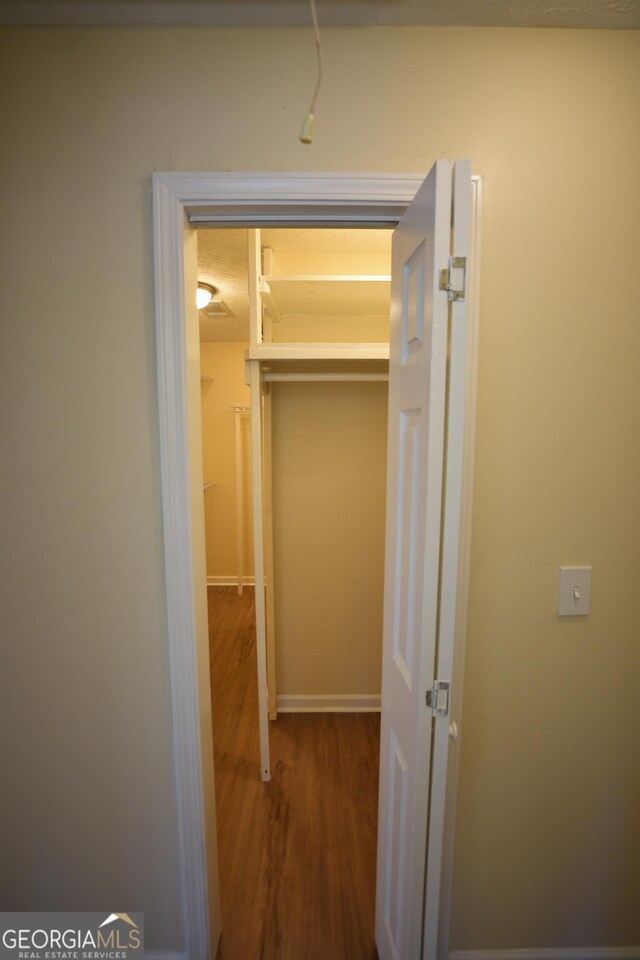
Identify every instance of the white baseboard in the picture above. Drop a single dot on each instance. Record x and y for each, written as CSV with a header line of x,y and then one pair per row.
x,y
335,703
229,581
550,953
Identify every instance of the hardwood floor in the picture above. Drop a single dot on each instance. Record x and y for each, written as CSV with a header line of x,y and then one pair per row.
x,y
297,855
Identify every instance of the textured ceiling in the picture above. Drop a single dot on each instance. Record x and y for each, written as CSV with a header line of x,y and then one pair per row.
x,y
612,14
222,261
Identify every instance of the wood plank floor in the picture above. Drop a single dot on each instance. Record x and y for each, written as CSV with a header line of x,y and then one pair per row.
x,y
297,855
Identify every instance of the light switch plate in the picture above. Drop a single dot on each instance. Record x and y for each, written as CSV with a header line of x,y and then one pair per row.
x,y
575,591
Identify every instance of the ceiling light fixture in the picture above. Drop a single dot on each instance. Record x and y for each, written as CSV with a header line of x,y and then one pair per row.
x,y
204,294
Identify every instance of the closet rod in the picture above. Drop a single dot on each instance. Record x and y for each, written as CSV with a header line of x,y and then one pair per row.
x,y
277,377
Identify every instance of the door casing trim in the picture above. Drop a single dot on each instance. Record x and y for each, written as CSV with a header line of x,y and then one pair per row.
x,y
347,199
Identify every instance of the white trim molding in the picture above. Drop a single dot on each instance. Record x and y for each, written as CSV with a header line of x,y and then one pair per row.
x,y
258,198
550,953
168,221
246,198
329,703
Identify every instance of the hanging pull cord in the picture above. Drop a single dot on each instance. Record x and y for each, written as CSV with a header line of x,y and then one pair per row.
x,y
306,134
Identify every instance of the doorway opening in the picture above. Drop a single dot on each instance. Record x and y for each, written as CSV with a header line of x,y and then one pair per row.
x,y
324,442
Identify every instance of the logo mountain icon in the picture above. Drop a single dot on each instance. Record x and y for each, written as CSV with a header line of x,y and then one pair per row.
x,y
119,916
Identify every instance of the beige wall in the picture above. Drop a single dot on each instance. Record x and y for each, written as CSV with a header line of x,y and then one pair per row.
x,y
329,472
550,780
224,363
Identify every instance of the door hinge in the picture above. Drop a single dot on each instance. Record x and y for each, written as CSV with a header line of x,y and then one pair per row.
x,y
454,278
438,698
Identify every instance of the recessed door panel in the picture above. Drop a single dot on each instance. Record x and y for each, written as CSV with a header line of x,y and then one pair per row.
x,y
396,826
413,304
406,587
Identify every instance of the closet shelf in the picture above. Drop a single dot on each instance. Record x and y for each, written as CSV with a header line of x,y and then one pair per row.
x,y
319,351
316,376
314,370
321,278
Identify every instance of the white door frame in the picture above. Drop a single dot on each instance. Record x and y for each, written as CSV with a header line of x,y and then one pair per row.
x,y
277,199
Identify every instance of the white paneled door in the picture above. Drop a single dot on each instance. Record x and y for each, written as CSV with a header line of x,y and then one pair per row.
x,y
423,499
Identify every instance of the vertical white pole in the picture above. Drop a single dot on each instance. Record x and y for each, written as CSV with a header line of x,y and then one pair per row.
x,y
258,553
239,499
268,555
253,369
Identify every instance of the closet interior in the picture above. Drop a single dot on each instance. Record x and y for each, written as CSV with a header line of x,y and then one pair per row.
x,y
294,360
